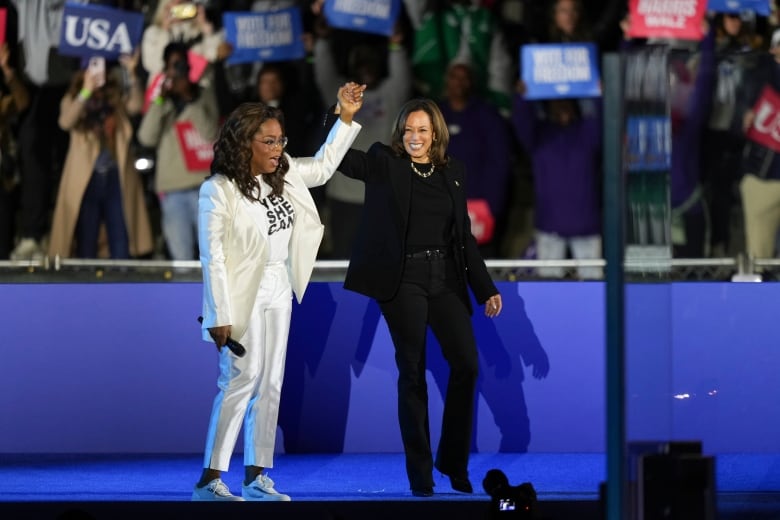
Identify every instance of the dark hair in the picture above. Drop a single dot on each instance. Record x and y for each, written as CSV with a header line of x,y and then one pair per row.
x,y
181,49
441,135
233,149
582,31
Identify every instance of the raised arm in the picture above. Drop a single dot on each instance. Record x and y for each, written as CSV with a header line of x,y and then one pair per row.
x,y
317,170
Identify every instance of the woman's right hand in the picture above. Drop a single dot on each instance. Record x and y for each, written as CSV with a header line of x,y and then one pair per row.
x,y
91,80
220,335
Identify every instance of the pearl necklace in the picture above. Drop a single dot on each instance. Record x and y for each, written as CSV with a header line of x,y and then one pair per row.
x,y
424,175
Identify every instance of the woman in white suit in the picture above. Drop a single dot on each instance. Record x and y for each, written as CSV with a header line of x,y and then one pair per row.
x,y
259,232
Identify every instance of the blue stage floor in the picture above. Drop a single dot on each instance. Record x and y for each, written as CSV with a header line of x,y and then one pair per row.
x,y
748,486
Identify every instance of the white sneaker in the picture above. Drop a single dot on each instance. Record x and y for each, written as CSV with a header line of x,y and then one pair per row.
x,y
214,491
27,249
262,488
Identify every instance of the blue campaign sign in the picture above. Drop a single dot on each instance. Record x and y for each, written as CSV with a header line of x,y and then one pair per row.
x,y
737,6
368,16
91,30
269,36
566,70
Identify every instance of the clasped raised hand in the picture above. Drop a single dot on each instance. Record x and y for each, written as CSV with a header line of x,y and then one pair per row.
x,y
350,100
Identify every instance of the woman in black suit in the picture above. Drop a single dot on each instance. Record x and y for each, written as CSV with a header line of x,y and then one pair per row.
x,y
415,255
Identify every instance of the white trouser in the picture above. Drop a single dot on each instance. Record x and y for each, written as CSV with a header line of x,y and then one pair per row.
x,y
250,387
550,246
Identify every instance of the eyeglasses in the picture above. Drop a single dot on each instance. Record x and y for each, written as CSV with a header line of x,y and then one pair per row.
x,y
273,143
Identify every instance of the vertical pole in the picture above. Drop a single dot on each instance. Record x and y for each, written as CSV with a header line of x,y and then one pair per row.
x,y
614,244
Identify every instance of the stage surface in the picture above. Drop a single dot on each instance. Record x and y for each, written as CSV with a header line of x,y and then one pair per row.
x,y
339,486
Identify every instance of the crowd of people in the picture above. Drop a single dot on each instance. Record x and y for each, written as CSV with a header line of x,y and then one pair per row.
x,y
534,165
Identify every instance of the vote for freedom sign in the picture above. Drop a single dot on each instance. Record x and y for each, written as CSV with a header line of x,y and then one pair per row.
x,y
737,6
679,19
369,16
566,70
268,36
89,30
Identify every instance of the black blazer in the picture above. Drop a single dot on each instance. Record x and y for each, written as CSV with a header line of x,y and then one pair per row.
x,y
379,250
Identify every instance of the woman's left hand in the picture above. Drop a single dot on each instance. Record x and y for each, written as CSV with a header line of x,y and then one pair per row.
x,y
493,306
350,99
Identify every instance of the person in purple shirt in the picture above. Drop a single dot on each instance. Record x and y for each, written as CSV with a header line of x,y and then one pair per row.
x,y
480,137
563,139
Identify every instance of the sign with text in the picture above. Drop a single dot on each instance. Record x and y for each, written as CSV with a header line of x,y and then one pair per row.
x,y
368,16
3,17
648,143
482,221
269,36
737,6
567,70
198,152
680,19
766,123
89,30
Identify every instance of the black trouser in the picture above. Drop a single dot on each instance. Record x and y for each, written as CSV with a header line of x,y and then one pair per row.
x,y
428,296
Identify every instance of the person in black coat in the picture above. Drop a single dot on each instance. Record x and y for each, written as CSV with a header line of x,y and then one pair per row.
x,y
415,255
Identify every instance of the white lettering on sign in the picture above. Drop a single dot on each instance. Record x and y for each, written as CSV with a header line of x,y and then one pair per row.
x,y
561,65
202,148
96,34
767,120
267,31
373,8
684,8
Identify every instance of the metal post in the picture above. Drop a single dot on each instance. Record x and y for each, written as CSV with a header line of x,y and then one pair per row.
x,y
614,243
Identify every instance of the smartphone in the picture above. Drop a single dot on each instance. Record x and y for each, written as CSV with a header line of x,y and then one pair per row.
x,y
97,67
184,11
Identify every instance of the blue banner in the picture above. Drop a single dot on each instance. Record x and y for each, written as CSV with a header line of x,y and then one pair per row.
x,y
737,6
648,140
566,70
92,30
269,36
368,16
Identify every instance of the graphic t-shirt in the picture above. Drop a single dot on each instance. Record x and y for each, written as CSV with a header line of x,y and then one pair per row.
x,y
274,216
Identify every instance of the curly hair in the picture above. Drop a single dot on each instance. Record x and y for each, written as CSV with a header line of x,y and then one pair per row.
x,y
441,135
233,149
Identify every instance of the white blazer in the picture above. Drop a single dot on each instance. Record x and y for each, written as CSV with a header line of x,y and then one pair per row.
x,y
233,252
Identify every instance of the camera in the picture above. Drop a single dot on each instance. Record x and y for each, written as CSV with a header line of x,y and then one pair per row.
x,y
506,504
509,501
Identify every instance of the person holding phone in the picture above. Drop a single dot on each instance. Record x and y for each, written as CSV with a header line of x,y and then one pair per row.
x,y
259,232
182,106
174,21
100,187
14,100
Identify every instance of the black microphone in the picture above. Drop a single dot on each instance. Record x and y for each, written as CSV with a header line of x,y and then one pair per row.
x,y
235,347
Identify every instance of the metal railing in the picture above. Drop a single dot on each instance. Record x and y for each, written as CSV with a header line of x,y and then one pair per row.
x,y
56,270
